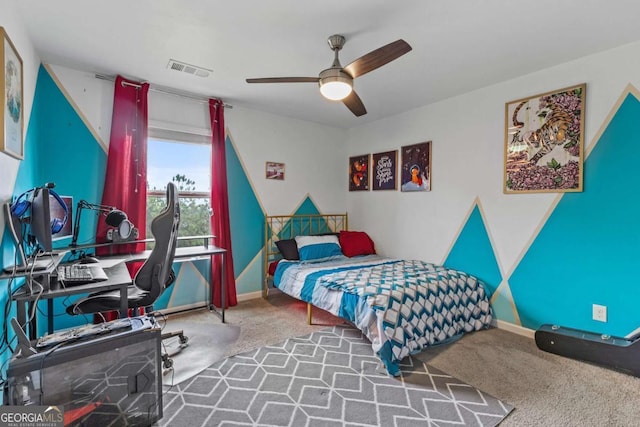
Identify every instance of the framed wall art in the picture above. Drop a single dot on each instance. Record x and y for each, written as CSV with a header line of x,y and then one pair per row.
x,y
416,167
544,142
275,171
359,173
384,170
12,107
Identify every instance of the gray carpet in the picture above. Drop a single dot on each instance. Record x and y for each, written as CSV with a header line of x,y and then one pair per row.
x,y
328,378
546,389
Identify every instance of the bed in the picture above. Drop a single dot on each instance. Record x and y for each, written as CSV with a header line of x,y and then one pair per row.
x,y
401,306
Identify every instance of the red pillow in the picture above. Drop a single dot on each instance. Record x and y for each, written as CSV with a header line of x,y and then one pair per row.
x,y
272,267
356,243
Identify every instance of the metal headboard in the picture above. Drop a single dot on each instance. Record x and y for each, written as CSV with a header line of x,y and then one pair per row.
x,y
283,227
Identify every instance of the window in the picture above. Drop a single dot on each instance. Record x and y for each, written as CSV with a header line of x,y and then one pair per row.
x,y
184,159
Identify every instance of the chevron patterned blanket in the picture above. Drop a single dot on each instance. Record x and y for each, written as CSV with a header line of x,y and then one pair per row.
x,y
401,306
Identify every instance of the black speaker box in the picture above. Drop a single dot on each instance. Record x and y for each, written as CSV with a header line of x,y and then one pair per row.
x,y
616,353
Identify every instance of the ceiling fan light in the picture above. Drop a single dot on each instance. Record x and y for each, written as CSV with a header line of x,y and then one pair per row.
x,y
335,90
335,84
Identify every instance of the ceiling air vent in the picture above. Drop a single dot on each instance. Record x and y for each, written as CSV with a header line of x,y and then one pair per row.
x,y
183,67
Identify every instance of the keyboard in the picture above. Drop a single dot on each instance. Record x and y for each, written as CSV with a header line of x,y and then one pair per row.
x,y
80,274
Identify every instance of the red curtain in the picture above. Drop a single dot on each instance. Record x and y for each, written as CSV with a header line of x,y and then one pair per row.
x,y
220,205
125,184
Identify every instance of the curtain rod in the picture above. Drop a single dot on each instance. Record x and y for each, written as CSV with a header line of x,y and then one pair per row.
x,y
165,90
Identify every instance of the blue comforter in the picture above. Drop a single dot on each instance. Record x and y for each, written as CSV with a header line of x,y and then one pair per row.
x,y
401,306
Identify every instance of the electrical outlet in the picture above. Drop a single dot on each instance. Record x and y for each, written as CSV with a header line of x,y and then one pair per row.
x,y
600,313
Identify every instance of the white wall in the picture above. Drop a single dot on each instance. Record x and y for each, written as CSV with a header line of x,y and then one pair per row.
x,y
468,149
314,157
13,24
93,98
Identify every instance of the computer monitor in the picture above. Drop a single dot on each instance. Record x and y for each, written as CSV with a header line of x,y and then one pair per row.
x,y
40,224
57,211
50,218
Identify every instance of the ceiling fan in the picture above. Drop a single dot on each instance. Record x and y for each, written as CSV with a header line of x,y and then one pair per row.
x,y
336,82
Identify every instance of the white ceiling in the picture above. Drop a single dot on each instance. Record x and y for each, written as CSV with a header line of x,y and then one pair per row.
x,y
458,46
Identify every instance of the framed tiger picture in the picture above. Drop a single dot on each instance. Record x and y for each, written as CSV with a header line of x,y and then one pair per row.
x,y
544,142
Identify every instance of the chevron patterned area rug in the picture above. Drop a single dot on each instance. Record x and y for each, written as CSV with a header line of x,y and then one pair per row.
x,y
328,378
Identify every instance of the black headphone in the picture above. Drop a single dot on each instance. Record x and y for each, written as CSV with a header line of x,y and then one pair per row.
x,y
20,207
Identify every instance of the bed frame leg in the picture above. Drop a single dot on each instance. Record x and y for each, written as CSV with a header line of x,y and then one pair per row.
x,y
308,313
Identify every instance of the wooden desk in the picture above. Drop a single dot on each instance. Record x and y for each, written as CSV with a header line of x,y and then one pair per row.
x,y
118,278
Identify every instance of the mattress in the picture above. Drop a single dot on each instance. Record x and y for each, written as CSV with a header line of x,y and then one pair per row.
x,y
401,306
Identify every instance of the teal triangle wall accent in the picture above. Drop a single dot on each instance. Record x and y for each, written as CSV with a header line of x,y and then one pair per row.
x,y
67,152
307,207
305,226
204,267
587,251
191,288
472,252
64,151
247,218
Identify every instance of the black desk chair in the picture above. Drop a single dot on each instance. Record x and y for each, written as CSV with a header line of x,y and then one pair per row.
x,y
155,275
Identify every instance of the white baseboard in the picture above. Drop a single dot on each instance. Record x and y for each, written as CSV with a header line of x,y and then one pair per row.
x,y
257,294
180,309
516,329
249,296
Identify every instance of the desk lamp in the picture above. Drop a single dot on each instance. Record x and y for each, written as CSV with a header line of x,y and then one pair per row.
x,y
123,228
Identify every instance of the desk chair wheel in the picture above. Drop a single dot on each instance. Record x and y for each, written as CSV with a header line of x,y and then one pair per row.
x,y
167,361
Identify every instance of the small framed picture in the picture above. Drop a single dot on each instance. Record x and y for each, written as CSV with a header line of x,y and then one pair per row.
x,y
385,170
12,102
416,167
275,171
359,173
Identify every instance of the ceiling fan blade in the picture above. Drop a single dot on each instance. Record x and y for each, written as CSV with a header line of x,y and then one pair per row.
x,y
285,80
377,58
354,103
